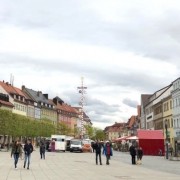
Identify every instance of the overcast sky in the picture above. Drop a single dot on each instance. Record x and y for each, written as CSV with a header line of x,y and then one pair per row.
x,y
122,49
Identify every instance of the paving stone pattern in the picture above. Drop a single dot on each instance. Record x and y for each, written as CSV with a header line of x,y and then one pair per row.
x,y
81,166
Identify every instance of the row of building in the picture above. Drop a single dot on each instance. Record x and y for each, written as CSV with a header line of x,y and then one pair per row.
x,y
36,105
158,111
122,129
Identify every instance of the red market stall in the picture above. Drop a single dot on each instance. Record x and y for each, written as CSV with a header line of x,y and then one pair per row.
x,y
151,141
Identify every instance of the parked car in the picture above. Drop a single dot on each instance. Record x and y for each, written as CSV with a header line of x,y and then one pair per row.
x,y
76,145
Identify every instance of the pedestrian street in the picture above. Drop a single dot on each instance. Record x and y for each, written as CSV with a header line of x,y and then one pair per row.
x,y
78,166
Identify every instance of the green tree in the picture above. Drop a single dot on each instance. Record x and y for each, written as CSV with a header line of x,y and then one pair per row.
x,y
63,129
89,131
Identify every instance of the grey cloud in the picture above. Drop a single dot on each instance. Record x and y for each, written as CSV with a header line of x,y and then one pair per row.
x,y
102,77
130,102
155,37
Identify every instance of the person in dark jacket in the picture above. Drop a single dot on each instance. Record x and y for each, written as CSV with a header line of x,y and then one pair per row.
x,y
16,150
42,150
132,151
92,145
108,152
139,154
28,149
98,147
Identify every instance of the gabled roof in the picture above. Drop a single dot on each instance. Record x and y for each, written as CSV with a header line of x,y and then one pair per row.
x,y
114,129
165,89
131,121
118,124
38,96
27,96
8,88
59,99
145,99
58,106
20,92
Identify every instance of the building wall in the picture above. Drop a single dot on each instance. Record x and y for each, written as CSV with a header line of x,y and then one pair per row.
x,y
65,119
20,108
143,120
113,135
176,110
49,114
6,108
37,113
4,92
167,115
30,111
73,122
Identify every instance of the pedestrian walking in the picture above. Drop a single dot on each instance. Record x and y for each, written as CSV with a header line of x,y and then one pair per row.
x,y
171,150
16,150
98,147
139,155
132,151
28,149
93,146
42,150
108,152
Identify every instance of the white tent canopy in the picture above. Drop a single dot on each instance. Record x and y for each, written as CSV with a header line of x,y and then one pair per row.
x,y
132,138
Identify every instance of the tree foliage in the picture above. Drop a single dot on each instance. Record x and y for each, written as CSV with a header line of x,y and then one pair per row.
x,y
89,131
63,129
17,125
98,134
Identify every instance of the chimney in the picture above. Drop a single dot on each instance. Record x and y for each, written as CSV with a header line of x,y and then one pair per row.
x,y
3,81
23,87
7,83
38,93
115,122
46,95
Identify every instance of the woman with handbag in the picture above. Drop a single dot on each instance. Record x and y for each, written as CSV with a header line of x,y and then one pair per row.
x,y
108,152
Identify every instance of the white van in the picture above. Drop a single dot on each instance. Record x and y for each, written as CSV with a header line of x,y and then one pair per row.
x,y
76,145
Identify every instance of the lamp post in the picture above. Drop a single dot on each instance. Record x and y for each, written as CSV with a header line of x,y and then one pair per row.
x,y
166,139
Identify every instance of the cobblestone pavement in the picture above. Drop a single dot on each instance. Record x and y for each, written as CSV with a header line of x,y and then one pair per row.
x,y
80,166
151,162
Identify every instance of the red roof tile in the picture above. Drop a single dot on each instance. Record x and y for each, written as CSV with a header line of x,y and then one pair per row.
x,y
6,103
58,106
131,121
20,92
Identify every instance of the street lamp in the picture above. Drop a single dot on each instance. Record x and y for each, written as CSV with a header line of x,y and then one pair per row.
x,y
166,139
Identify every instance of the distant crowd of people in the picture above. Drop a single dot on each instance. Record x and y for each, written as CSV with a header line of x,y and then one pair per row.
x,y
106,148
